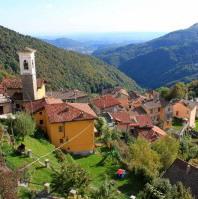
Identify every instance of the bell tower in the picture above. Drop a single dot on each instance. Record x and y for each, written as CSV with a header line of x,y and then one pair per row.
x,y
28,74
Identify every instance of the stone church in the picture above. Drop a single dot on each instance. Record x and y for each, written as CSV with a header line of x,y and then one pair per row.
x,y
26,87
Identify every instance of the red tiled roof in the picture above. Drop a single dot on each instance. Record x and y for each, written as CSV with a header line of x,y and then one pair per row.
x,y
16,83
124,102
37,105
151,134
83,107
68,94
105,101
66,112
144,121
123,117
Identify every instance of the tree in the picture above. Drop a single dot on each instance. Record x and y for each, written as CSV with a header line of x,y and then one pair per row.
x,y
107,190
164,92
23,125
158,189
162,189
100,124
8,182
144,160
179,191
178,91
167,148
71,176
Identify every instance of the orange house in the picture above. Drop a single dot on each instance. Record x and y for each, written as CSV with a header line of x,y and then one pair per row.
x,y
37,109
68,125
185,109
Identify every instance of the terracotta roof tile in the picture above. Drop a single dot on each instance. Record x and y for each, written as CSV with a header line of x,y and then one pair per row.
x,y
123,102
65,113
67,94
16,83
37,105
105,101
123,117
144,121
151,134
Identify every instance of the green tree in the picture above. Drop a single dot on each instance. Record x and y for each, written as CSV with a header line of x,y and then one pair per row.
x,y
100,124
107,190
23,125
162,189
164,92
179,191
168,149
178,91
71,176
144,159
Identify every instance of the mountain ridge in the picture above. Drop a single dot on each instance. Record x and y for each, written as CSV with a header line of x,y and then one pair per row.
x,y
169,58
60,68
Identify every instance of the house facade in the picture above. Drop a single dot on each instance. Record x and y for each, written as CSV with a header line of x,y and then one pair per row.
x,y
105,103
69,126
186,110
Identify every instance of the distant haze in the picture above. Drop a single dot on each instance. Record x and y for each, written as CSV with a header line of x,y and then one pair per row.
x,y
108,37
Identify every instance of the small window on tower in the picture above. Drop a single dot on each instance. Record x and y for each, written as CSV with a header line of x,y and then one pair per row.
x,y
32,63
25,65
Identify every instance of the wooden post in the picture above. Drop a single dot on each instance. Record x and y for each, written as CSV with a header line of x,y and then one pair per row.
x,y
47,187
29,153
47,163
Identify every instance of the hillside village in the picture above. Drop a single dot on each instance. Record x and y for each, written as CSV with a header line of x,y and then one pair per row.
x,y
72,120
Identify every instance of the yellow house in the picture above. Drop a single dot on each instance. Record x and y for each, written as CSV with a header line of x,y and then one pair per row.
x,y
185,109
37,109
69,125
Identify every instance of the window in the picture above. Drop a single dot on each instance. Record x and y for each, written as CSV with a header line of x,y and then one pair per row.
x,y
60,128
158,109
61,141
25,65
1,110
177,113
151,111
40,113
41,122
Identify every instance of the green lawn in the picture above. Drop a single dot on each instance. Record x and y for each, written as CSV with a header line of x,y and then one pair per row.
x,y
41,175
196,127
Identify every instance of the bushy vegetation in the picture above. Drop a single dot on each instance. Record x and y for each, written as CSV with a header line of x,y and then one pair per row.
x,y
23,125
60,68
161,189
180,90
71,176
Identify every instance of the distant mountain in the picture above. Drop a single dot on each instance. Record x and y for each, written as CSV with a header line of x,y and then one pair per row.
x,y
86,47
70,44
61,68
165,60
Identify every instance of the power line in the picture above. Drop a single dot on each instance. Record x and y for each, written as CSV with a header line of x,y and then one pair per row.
x,y
28,165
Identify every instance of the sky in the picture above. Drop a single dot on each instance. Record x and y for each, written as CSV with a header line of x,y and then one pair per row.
x,y
50,17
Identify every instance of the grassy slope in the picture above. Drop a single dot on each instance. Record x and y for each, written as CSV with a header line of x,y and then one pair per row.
x,y
41,175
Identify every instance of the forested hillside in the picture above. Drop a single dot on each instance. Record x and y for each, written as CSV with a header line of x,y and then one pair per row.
x,y
60,68
162,61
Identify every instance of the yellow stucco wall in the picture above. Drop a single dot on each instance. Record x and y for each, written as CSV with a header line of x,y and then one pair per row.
x,y
83,131
41,92
83,143
38,116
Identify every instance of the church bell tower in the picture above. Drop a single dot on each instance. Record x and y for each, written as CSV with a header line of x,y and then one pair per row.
x,y
28,74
